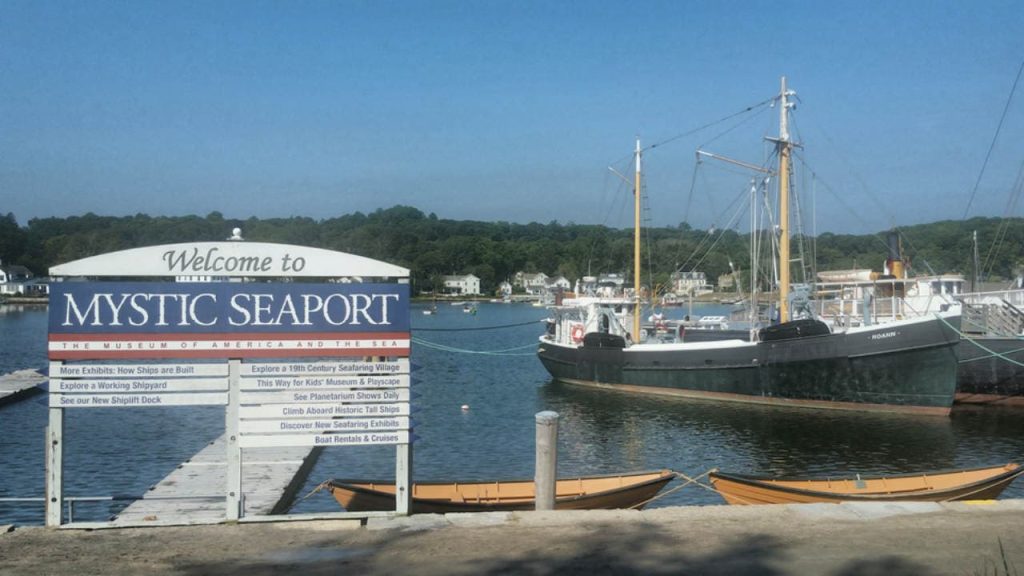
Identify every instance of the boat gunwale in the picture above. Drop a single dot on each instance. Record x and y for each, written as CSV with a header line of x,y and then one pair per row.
x,y
767,482
664,475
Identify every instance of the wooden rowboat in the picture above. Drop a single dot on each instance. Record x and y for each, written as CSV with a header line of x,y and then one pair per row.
x,y
966,484
631,490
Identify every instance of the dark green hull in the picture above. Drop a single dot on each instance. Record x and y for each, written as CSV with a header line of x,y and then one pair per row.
x,y
906,368
991,370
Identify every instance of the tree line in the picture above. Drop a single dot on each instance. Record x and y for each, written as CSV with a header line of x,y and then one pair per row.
x,y
432,247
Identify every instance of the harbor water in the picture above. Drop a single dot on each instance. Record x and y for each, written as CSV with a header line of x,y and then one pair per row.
x,y
479,388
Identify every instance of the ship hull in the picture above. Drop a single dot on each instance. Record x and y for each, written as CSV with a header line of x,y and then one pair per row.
x,y
909,368
991,370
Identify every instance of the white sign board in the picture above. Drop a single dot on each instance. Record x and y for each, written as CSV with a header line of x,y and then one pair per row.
x,y
323,425
62,370
345,439
230,259
316,383
340,395
137,400
344,368
323,410
136,385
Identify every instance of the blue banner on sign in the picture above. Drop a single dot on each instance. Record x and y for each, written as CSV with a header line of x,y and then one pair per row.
x,y
226,307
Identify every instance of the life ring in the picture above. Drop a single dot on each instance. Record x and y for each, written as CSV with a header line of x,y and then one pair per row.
x,y
577,333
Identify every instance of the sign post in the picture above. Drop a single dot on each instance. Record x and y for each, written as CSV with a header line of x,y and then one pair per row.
x,y
230,335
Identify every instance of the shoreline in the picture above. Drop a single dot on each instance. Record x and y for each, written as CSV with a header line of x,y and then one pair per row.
x,y
848,538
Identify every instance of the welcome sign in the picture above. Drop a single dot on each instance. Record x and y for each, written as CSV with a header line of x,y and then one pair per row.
x,y
109,320
306,305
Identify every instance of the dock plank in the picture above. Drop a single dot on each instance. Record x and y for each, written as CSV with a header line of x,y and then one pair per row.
x,y
194,493
20,384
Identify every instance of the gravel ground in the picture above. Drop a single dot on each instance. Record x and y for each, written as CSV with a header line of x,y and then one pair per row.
x,y
846,539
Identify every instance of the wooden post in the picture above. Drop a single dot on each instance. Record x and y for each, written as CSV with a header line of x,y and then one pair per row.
x,y
403,478
547,460
55,468
234,452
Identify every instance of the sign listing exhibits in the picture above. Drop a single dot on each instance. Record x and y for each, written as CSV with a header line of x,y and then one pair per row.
x,y
138,385
343,439
307,383
317,396
62,370
338,410
345,377
58,400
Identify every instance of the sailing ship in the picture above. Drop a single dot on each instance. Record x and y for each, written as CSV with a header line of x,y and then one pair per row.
x,y
906,366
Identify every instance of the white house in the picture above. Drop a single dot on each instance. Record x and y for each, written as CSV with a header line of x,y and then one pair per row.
x,y
532,283
556,284
468,285
17,280
695,283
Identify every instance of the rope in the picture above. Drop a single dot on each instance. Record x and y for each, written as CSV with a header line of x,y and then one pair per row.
x,y
478,328
680,475
504,352
992,353
318,488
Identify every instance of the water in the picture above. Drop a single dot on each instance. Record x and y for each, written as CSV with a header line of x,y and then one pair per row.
x,y
124,451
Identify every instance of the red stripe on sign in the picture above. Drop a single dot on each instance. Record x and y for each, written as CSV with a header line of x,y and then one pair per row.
x,y
242,353
228,336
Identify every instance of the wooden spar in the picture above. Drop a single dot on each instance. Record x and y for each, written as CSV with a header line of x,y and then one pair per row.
x,y
636,248
784,150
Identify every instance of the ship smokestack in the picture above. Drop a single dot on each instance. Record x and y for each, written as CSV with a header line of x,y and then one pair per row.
x,y
894,262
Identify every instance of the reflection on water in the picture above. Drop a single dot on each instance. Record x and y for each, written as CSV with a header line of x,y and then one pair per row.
x,y
496,373
692,436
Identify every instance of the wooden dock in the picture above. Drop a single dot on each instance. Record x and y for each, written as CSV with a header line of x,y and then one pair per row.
x,y
194,493
20,384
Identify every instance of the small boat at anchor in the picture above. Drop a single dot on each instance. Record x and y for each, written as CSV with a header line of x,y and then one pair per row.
x,y
945,486
609,491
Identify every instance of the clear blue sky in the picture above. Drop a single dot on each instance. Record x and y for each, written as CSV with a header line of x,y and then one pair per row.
x,y
499,110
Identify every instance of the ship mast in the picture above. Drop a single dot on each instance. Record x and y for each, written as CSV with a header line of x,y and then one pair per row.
x,y
636,248
785,147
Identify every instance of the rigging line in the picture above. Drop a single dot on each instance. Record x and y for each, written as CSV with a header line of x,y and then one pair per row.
x,y
701,128
709,125
883,208
739,207
1004,226
735,218
476,328
699,249
738,204
836,196
746,120
995,137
